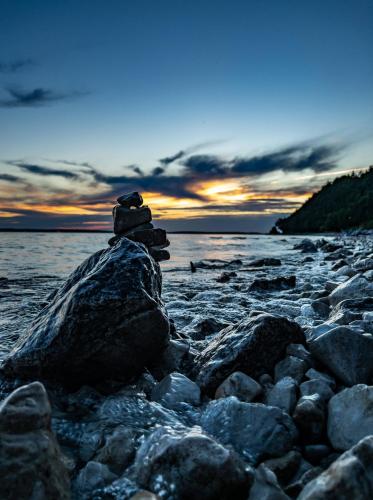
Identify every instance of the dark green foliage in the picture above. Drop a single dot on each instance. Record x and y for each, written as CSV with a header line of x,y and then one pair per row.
x,y
345,203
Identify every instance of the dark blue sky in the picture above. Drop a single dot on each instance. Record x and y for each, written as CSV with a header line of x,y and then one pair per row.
x,y
118,83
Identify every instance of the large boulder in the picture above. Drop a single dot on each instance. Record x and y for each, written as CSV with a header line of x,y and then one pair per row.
x,y
350,416
186,464
106,321
254,430
349,477
31,462
253,346
357,286
347,354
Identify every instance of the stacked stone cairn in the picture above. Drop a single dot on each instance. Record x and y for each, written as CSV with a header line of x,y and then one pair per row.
x,y
132,220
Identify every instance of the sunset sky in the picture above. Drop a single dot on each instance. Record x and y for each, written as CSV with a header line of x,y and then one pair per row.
x,y
225,115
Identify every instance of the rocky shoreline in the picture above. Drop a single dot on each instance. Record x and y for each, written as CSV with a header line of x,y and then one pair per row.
x,y
253,380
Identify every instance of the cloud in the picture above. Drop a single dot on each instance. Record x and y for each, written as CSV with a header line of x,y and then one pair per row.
x,y
16,65
170,159
44,171
35,98
10,178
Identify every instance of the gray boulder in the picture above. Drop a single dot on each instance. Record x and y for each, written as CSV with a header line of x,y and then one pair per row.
x,y
349,477
357,286
265,486
291,367
350,416
176,389
240,385
106,321
346,353
187,464
32,465
94,475
283,395
253,346
255,430
317,386
309,415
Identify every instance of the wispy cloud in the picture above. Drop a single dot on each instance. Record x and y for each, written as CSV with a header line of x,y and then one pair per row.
x,y
35,98
41,170
15,65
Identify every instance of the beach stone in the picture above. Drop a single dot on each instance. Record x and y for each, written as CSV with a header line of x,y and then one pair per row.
x,y
253,346
268,261
283,395
32,465
316,452
128,218
273,284
240,385
149,237
93,475
291,367
106,321
309,415
306,246
349,477
284,467
346,353
350,416
188,464
296,487
254,430
129,200
313,374
299,351
357,286
316,386
265,486
176,389
159,254
118,450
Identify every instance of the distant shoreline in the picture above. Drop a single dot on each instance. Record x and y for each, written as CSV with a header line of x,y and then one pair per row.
x,y
11,230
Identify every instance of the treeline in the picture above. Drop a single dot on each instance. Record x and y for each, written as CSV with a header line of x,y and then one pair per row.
x,y
345,203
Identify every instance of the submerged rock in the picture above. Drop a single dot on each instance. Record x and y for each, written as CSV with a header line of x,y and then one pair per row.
x,y
32,465
187,464
252,346
106,321
279,283
255,430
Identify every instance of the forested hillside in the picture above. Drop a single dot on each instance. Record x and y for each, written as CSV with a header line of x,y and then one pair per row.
x,y
345,203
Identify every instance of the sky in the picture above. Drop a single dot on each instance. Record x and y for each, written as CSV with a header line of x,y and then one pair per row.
x,y
226,115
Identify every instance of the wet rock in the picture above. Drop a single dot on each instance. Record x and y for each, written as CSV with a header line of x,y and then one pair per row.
x,y
309,415
269,261
119,449
145,495
175,357
175,390
306,246
129,200
265,486
315,453
149,237
120,489
283,395
349,477
269,285
299,351
226,276
187,464
317,386
217,264
106,321
252,346
351,309
346,353
32,465
206,326
240,385
93,475
350,416
159,254
295,488
254,430
127,218
357,286
291,367
284,467
313,374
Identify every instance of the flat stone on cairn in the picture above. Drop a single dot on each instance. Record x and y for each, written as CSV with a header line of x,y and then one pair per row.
x,y
133,221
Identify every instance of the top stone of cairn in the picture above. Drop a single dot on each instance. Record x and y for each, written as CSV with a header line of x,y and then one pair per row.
x,y
129,200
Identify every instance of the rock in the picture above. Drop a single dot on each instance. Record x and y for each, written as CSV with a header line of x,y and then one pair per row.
x,y
364,265
350,416
240,385
269,285
129,200
145,495
295,488
331,247
149,237
32,466
306,246
254,430
174,390
106,321
351,309
291,367
119,449
128,218
313,374
206,326
284,467
309,415
299,351
174,358
346,353
93,475
349,477
187,464
321,308
226,276
265,262
316,452
283,395
265,486
316,386
159,254
252,346
357,286
120,489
